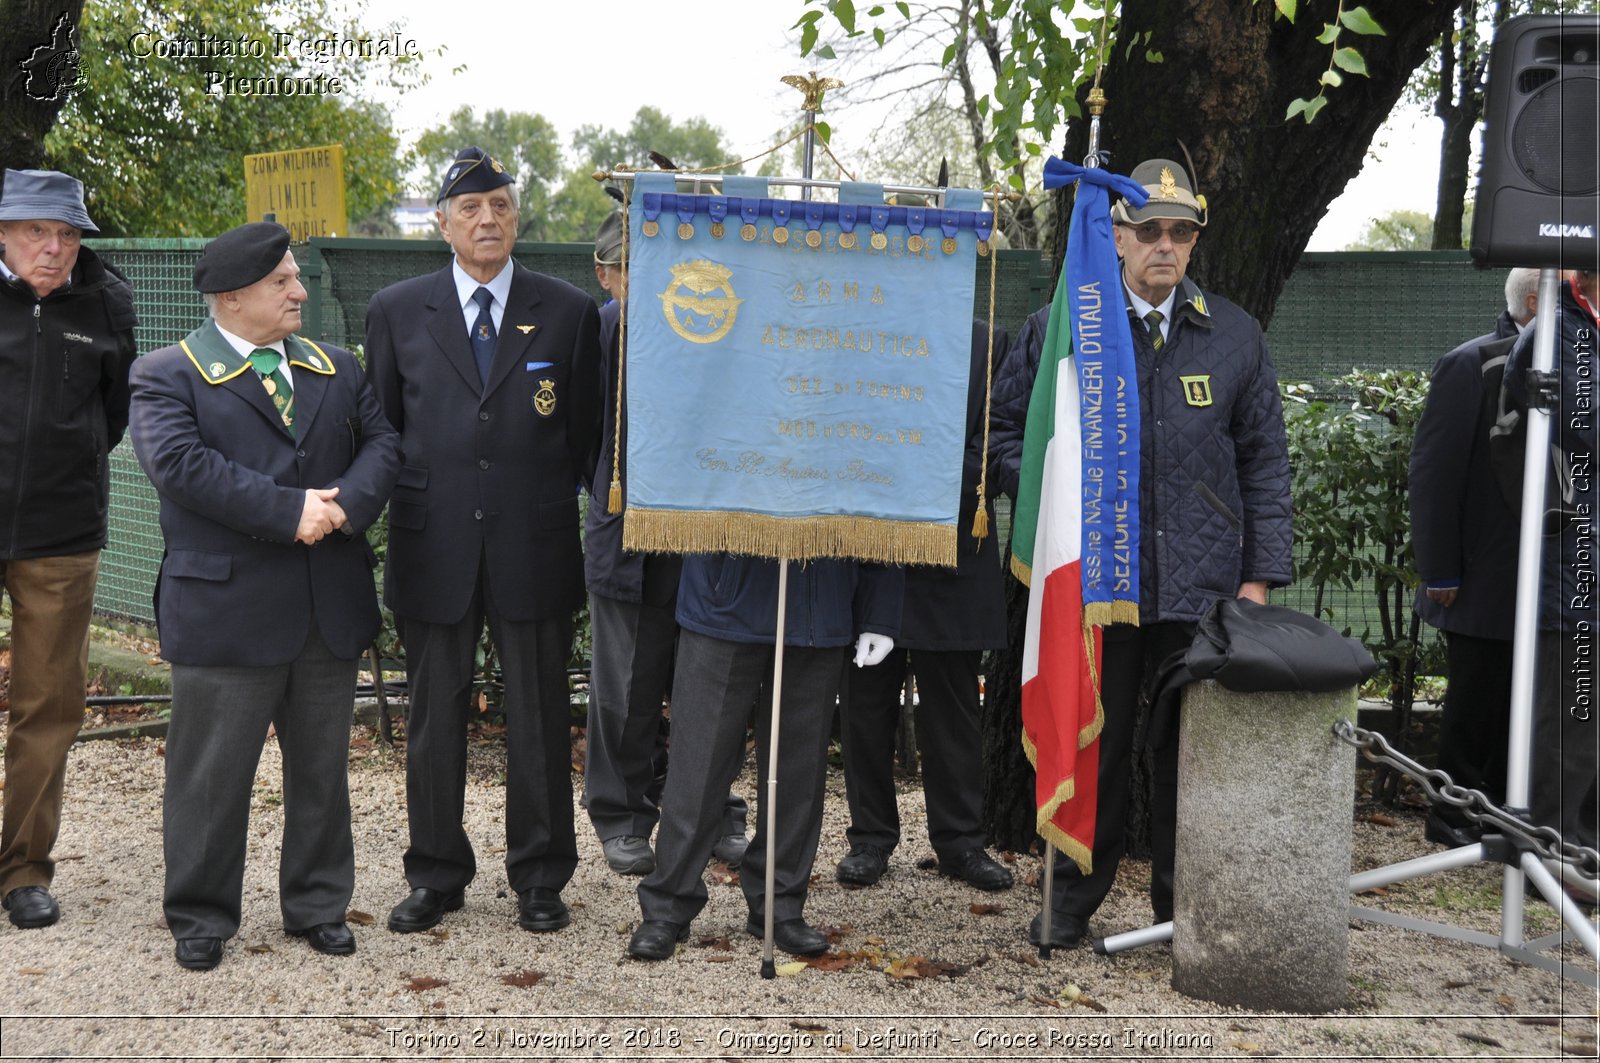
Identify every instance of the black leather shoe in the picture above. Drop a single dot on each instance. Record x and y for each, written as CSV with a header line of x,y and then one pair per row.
x,y
1065,930
864,865
423,910
540,909
656,939
794,936
1441,831
976,868
198,954
32,907
330,939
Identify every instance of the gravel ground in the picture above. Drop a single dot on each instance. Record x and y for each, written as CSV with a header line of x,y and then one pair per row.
x,y
923,967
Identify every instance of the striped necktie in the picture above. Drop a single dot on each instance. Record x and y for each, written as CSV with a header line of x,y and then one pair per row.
x,y
266,363
1152,321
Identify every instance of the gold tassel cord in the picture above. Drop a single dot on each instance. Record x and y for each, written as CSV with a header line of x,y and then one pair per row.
x,y
980,519
614,496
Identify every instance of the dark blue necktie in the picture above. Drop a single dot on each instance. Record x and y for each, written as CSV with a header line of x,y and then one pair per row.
x,y
483,335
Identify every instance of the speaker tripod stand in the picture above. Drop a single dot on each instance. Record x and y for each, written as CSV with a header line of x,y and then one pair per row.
x,y
1535,855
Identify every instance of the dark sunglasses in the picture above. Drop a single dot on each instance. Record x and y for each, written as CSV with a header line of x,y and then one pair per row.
x,y
1150,232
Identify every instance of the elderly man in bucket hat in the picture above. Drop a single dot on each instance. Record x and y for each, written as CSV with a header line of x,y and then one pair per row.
x,y
1214,508
66,342
271,458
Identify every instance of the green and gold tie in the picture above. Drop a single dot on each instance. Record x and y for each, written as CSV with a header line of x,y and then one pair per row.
x,y
1152,321
266,363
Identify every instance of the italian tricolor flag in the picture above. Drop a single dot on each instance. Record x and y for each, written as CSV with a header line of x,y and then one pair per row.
x,y
1064,544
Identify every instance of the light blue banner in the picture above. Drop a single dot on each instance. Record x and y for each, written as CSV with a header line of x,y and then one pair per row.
x,y
797,373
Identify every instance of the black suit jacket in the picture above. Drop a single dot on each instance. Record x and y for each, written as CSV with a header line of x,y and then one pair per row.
x,y
489,471
1461,528
235,587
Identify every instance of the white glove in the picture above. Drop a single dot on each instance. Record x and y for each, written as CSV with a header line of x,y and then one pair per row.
x,y
871,649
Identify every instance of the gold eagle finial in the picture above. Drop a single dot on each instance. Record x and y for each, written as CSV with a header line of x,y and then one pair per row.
x,y
813,87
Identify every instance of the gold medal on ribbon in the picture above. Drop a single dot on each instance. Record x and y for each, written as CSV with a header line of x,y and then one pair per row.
x,y
813,239
914,244
847,241
717,230
983,248
949,245
879,241
270,384
780,235
685,231
650,228
747,232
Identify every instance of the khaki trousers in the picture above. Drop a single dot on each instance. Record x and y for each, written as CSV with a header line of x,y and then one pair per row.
x,y
51,599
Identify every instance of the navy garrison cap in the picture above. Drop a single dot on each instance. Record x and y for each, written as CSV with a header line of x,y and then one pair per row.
x,y
608,241
473,170
240,257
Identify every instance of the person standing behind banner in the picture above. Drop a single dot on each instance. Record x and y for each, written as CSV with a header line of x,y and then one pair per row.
x,y
66,341
1215,516
949,618
632,598
271,459
491,374
728,610
1465,537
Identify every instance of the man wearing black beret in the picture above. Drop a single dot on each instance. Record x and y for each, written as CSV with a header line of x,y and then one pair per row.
x,y
491,374
271,458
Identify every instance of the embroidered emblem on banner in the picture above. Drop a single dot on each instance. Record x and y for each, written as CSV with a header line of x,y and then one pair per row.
x,y
1196,390
700,303
544,400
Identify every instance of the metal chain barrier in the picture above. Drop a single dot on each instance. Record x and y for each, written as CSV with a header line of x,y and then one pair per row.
x,y
1546,842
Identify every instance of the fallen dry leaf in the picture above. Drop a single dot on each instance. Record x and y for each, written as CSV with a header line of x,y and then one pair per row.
x,y
1456,983
714,941
872,939
1474,1038
1505,1001
1539,1020
833,961
1382,820
1046,1001
1242,1046
525,979
789,970
982,909
439,933
422,982
919,967
358,917
809,1027
36,971
263,948
721,959
835,934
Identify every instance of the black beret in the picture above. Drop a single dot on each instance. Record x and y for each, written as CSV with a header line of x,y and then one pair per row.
x,y
240,257
473,170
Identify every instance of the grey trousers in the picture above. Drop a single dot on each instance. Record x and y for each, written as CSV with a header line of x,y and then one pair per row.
x,y
713,700
219,724
626,764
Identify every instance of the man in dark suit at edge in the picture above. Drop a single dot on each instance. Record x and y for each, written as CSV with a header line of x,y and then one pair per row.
x,y
490,373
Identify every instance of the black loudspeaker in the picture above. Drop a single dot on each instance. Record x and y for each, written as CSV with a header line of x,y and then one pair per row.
x,y
1538,201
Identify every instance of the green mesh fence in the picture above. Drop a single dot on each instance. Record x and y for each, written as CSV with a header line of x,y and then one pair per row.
x,y
1338,312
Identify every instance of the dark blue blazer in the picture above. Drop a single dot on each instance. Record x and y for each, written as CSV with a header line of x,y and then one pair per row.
x,y
235,587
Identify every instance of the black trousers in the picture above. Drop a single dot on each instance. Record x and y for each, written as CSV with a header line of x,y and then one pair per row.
x,y
541,848
1477,715
1129,659
948,738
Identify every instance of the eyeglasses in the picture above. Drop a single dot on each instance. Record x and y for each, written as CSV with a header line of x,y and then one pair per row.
x,y
1150,232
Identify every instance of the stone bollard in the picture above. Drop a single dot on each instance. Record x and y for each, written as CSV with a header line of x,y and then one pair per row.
x,y
1260,894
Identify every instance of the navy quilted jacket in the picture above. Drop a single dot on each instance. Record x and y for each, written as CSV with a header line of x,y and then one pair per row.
x,y
1214,503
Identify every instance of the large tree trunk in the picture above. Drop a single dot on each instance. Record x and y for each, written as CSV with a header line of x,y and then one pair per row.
x,y
1229,73
32,31
1459,105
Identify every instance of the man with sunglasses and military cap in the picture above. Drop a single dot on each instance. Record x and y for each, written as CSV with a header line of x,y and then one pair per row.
x,y
1215,518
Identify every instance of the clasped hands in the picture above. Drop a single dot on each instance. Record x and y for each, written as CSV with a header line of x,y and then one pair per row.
x,y
320,515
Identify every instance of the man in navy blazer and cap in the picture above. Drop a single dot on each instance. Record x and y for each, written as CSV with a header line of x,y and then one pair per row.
x,y
491,374
271,458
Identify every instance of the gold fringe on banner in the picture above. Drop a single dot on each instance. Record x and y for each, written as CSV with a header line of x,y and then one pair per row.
x,y
797,538
1103,613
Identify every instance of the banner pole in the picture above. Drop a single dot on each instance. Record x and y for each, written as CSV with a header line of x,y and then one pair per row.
x,y
768,968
